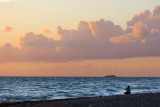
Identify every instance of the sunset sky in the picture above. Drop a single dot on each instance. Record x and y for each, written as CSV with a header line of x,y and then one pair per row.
x,y
80,38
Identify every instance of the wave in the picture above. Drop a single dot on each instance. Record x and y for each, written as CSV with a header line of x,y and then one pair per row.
x,y
60,88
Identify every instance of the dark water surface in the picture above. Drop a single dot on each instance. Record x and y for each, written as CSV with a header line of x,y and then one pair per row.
x,y
17,89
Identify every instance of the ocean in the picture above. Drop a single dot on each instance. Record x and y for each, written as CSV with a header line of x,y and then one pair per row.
x,y
18,89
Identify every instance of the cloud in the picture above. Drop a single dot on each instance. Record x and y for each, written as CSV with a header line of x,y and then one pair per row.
x,y
156,10
8,29
91,40
46,31
145,26
140,30
32,40
121,39
151,21
9,53
104,29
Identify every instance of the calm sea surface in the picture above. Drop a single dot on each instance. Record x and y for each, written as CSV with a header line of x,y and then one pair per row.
x,y
17,89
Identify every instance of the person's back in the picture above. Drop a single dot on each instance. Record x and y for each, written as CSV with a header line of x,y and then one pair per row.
x,y
128,90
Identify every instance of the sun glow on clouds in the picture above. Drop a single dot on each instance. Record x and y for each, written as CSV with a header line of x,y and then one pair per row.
x,y
90,41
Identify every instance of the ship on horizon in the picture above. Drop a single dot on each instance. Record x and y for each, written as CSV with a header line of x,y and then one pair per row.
x,y
110,76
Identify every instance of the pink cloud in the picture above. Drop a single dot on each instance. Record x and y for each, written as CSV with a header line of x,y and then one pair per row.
x,y
121,39
105,29
32,40
151,20
91,40
156,10
145,26
140,30
8,29
46,31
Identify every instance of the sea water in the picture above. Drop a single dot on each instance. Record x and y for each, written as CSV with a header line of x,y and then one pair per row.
x,y
18,89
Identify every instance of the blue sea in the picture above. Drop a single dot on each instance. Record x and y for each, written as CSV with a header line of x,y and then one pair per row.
x,y
18,89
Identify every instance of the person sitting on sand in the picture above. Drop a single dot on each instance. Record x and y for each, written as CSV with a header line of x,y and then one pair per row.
x,y
128,90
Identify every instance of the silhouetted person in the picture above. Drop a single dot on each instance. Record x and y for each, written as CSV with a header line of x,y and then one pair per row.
x,y
128,90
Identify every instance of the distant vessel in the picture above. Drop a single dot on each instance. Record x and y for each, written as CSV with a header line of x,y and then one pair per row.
x,y
110,76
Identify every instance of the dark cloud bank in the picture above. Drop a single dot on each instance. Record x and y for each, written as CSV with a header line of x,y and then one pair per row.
x,y
91,40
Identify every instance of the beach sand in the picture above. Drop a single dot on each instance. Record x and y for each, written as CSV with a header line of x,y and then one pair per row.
x,y
134,100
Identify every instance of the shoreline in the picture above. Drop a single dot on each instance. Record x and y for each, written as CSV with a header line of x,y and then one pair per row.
x,y
133,100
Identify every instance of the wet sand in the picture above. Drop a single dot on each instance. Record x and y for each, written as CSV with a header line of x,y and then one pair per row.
x,y
135,100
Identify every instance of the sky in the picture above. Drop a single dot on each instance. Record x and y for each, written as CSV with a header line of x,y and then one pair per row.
x,y
80,38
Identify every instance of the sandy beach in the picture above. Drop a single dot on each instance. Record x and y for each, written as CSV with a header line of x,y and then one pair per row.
x,y
135,100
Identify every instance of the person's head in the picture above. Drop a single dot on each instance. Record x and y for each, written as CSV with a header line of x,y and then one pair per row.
x,y
128,86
